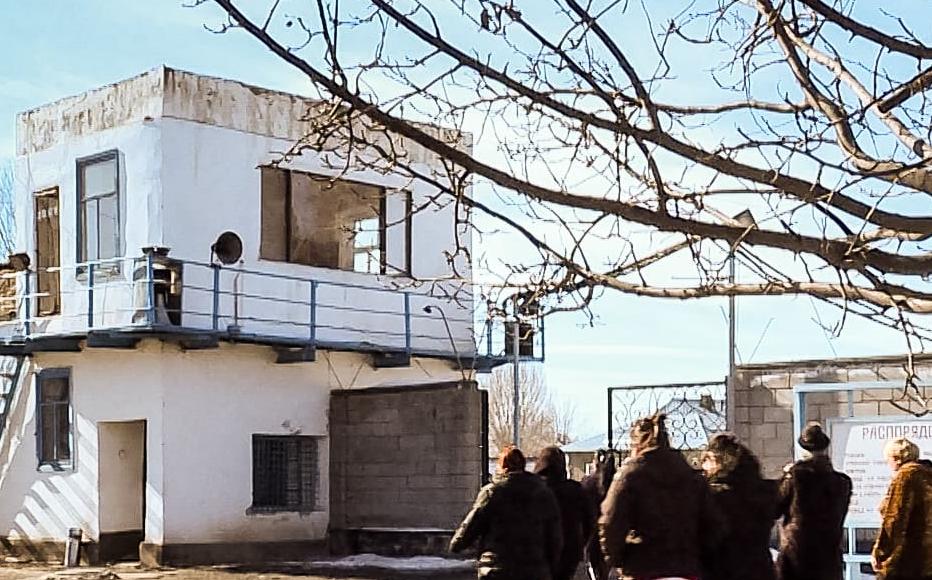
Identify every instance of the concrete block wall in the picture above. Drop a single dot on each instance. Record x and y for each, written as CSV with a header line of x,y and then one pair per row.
x,y
405,457
763,399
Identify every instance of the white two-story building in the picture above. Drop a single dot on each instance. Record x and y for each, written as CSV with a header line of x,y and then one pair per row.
x,y
194,306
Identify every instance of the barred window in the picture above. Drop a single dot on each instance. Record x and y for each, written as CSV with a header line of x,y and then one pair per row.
x,y
284,472
53,416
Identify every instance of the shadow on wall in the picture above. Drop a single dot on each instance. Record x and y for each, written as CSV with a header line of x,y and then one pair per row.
x,y
53,502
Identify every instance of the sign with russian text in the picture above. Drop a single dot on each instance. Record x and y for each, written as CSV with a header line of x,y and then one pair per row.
x,y
857,450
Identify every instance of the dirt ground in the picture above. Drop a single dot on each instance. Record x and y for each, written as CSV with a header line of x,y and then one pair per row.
x,y
133,572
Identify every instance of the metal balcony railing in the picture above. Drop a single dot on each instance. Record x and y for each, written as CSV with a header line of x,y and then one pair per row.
x,y
156,293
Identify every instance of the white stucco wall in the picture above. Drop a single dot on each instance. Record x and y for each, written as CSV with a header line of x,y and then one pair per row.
x,y
105,386
211,184
201,408
216,400
190,148
189,171
140,162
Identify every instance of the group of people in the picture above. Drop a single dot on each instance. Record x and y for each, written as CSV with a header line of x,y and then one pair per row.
x,y
656,517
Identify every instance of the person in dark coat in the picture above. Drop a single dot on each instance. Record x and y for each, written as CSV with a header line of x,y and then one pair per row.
x,y
595,486
576,515
903,550
657,519
515,522
746,502
813,502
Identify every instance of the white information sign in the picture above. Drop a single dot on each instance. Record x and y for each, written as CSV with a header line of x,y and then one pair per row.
x,y
857,450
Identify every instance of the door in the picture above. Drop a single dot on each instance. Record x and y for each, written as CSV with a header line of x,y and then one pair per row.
x,y
121,456
47,253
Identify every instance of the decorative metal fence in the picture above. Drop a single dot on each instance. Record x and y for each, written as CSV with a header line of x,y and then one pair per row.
x,y
694,412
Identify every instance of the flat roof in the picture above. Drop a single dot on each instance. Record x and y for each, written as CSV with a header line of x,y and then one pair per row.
x,y
165,92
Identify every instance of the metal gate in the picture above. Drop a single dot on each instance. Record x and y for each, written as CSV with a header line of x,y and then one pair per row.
x,y
694,412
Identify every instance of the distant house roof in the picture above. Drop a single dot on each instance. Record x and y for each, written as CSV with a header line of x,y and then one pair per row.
x,y
594,443
691,421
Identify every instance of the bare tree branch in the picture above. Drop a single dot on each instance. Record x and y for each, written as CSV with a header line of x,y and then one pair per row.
x,y
605,165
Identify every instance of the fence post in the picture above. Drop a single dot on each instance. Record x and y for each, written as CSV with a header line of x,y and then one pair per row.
x,y
611,427
408,323
90,296
215,313
312,323
150,288
799,419
27,303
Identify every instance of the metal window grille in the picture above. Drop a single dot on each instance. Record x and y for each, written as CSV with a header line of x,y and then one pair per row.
x,y
54,418
284,472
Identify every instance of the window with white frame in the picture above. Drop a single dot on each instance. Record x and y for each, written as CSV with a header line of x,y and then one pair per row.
x,y
99,225
53,418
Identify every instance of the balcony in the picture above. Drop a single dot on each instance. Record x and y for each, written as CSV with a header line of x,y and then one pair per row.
x,y
115,303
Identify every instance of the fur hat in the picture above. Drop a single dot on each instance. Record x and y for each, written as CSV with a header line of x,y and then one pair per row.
x,y
814,439
734,459
648,432
726,450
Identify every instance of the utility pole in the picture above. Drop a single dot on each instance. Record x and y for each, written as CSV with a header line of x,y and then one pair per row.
x,y
745,219
516,402
732,326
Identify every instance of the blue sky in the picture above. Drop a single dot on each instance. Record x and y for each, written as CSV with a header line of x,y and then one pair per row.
x,y
53,49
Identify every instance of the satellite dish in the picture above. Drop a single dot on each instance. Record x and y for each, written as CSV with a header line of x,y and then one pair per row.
x,y
228,248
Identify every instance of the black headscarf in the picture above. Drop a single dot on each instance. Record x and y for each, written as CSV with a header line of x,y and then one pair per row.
x,y
551,464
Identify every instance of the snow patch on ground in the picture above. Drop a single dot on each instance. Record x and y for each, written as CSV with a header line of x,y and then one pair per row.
x,y
413,564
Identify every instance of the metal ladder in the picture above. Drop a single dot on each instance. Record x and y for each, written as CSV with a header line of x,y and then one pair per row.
x,y
10,370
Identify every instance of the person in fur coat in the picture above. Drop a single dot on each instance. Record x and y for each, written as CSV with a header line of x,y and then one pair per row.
x,y
575,510
813,502
746,501
903,550
595,486
657,519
